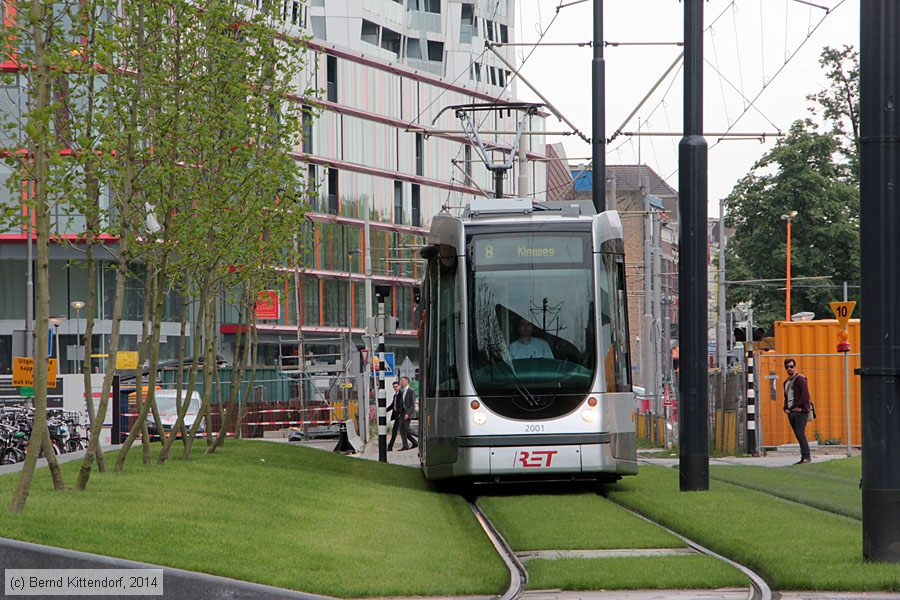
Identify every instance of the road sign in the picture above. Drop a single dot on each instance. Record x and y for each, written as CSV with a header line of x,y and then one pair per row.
x,y
390,369
347,386
126,361
842,311
26,391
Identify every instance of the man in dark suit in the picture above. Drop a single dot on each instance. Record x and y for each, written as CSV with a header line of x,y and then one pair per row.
x,y
409,411
396,408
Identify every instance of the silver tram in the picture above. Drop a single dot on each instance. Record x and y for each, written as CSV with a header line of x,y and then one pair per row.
x,y
525,369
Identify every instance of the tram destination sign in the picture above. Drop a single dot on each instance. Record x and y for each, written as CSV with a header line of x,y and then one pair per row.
x,y
528,249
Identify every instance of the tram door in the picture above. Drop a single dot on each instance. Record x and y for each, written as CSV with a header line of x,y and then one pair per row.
x,y
441,376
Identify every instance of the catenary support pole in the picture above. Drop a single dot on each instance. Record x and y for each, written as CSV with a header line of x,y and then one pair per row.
x,y
751,396
658,357
598,116
721,339
879,244
847,384
382,403
692,277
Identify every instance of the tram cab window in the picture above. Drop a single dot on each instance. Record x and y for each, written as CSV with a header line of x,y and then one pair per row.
x,y
531,331
614,337
444,319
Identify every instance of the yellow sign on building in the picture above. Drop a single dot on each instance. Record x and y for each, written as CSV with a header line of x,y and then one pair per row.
x,y
126,361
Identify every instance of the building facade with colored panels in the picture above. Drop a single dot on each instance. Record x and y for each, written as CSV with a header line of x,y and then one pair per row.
x,y
376,147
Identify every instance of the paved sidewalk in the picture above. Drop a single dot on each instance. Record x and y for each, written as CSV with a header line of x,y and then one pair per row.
x,y
723,594
783,457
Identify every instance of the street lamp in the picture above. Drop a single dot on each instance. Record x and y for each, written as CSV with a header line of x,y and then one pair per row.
x,y
78,305
350,255
787,303
56,322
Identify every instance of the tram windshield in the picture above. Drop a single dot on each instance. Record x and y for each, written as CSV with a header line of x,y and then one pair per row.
x,y
531,332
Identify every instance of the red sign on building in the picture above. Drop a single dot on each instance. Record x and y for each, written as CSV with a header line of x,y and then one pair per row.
x,y
267,305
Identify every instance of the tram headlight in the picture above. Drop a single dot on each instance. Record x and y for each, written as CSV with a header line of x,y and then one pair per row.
x,y
589,416
479,418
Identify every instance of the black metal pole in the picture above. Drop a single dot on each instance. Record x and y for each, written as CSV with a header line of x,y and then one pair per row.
x,y
598,116
692,276
879,244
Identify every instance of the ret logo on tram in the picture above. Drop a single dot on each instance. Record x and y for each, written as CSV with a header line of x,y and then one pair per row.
x,y
524,342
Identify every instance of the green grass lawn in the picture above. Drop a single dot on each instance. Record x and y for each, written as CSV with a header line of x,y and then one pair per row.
x,y
793,546
571,522
585,521
633,573
274,514
831,485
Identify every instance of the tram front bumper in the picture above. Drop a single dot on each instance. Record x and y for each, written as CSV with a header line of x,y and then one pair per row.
x,y
537,460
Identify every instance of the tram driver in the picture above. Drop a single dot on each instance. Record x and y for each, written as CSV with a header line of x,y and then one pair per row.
x,y
527,346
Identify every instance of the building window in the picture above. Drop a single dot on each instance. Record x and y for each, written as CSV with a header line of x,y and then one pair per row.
x,y
489,30
413,48
435,51
467,24
493,77
307,119
398,202
468,156
504,34
420,151
333,205
331,78
369,32
433,6
390,40
477,71
416,205
312,187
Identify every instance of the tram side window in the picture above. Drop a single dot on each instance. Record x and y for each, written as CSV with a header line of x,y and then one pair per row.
x,y
448,319
614,325
431,303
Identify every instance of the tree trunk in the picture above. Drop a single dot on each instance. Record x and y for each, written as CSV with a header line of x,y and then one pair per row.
x,y
209,363
237,372
249,391
39,137
192,376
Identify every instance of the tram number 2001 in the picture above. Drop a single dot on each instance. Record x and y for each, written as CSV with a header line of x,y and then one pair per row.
x,y
533,428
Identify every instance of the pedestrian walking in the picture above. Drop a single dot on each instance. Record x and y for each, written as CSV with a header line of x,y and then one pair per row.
x,y
396,408
409,411
796,406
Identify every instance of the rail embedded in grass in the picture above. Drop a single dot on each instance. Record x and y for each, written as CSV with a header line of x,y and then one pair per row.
x,y
570,522
812,488
633,573
794,547
274,514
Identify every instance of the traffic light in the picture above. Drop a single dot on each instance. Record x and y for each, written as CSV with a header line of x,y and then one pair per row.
x,y
843,341
758,334
740,334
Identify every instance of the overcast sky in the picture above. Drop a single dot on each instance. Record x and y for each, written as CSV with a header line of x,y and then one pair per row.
x,y
748,44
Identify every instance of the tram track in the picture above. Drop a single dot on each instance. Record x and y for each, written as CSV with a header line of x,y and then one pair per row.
x,y
518,576
758,590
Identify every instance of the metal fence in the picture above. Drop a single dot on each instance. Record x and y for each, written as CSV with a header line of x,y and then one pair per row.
x,y
312,408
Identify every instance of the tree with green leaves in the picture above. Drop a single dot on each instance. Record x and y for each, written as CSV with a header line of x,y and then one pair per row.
x,y
839,103
800,173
